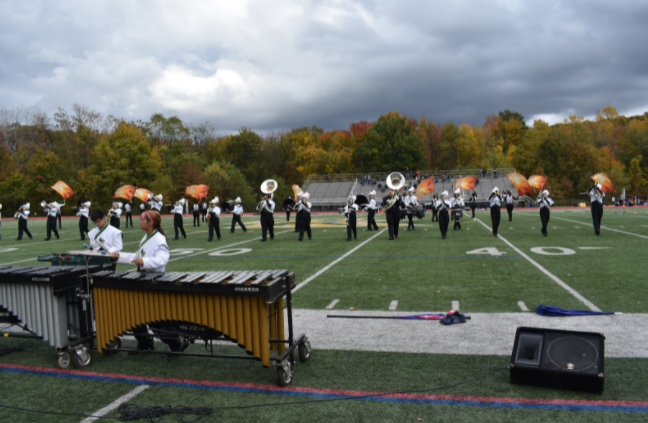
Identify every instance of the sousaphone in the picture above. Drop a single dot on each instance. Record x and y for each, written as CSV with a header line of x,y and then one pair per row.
x,y
395,181
267,187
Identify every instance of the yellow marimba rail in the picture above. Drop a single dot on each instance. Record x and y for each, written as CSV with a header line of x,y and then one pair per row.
x,y
246,320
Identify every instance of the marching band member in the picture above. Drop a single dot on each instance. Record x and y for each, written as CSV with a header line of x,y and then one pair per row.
x,y
152,256
442,207
596,197
50,209
411,202
303,215
58,212
495,202
115,214
104,236
21,215
509,204
204,209
266,209
435,212
129,214
544,202
391,205
83,214
350,212
156,203
457,205
177,218
142,208
371,220
288,210
473,203
236,215
196,213
213,214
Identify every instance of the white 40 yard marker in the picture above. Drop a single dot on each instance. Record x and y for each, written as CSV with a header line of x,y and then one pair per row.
x,y
545,251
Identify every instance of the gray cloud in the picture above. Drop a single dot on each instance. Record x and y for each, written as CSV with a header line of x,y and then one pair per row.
x,y
283,64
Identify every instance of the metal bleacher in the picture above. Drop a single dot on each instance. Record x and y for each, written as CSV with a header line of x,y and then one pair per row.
x,y
332,191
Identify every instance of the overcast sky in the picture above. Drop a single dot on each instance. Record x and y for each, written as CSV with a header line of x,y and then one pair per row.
x,y
281,64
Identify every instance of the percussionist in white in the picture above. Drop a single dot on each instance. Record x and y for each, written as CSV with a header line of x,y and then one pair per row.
x,y
152,256
104,236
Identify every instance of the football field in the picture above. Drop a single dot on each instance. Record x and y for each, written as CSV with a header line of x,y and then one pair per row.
x,y
497,281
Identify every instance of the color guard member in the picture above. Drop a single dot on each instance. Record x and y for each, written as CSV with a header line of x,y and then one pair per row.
x,y
473,203
544,202
177,218
435,212
129,214
596,197
509,198
21,215
442,207
50,209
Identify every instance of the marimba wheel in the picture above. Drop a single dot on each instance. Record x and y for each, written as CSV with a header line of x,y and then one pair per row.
x,y
304,351
113,346
64,360
83,358
283,378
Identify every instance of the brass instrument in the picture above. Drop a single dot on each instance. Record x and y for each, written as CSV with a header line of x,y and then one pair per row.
x,y
209,210
269,186
395,181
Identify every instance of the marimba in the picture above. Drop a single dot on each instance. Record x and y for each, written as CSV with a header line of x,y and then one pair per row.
x,y
46,301
245,307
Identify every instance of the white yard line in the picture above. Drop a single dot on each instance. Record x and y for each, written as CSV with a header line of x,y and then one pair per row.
x,y
603,227
523,306
553,277
455,305
333,303
19,261
336,261
393,305
113,405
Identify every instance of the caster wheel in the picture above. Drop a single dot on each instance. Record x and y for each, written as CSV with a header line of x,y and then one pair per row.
x,y
283,378
114,345
82,359
64,360
304,351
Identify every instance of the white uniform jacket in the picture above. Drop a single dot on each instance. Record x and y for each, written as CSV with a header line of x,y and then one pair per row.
x,y
595,196
109,238
353,208
372,204
177,209
153,249
496,200
115,212
83,212
216,210
238,209
545,202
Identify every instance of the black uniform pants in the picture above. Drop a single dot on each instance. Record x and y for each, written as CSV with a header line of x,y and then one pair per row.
x,y
351,226
304,219
22,227
457,225
287,215
196,216
58,218
114,222
129,218
435,215
495,218
177,224
410,223
51,226
509,210
214,225
204,214
83,226
444,221
393,218
472,208
597,215
544,218
267,225
371,220
236,218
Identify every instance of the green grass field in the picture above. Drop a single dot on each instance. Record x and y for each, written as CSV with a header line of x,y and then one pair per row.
x,y
418,272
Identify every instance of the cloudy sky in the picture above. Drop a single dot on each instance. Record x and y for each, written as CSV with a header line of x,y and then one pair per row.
x,y
281,64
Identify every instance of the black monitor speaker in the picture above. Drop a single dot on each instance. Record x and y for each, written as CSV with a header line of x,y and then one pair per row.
x,y
558,359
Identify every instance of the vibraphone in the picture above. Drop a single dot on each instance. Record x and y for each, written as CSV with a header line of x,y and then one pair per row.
x,y
47,302
244,307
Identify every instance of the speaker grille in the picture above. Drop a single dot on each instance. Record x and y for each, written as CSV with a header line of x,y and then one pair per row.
x,y
572,353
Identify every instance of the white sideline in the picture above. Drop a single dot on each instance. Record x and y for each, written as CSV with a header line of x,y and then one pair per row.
x,y
336,261
523,306
333,303
393,305
553,277
603,227
113,405
455,305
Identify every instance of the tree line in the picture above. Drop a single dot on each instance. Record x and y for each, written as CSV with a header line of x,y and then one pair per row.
x,y
96,154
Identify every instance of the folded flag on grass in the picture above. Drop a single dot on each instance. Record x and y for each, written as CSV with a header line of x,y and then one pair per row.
x,y
549,310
